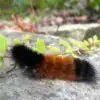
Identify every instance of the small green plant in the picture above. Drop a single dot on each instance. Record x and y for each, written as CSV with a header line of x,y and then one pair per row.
x,y
80,45
55,50
68,48
3,44
1,62
94,41
3,49
27,38
17,41
86,45
40,46
24,39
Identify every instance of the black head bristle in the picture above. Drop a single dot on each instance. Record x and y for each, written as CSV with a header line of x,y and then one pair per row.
x,y
24,56
84,70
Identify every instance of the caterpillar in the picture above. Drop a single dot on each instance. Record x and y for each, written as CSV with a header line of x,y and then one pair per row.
x,y
52,66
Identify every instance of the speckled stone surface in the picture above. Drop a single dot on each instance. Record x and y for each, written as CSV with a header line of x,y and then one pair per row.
x,y
19,87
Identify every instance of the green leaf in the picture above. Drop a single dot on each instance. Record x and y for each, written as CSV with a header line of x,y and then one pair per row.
x,y
66,45
17,41
75,43
81,45
85,43
69,49
1,62
95,37
27,38
54,49
3,44
98,42
37,50
84,46
74,55
90,40
41,48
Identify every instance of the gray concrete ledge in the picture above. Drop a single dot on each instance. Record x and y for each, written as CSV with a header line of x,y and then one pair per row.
x,y
73,30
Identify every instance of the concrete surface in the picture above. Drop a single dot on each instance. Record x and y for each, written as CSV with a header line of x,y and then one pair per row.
x,y
76,31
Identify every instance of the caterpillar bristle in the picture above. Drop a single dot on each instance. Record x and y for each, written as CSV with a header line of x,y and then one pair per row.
x,y
85,70
53,66
24,56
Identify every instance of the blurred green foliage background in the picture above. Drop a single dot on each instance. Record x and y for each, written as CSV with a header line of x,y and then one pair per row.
x,y
7,7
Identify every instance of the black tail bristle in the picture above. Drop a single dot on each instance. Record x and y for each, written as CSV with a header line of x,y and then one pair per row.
x,y
24,56
84,70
